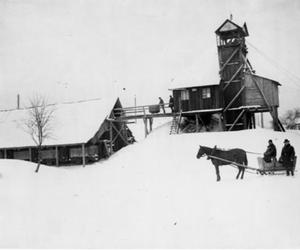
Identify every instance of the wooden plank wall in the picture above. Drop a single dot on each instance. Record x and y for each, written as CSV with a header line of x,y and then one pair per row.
x,y
22,154
176,96
224,53
196,102
252,95
228,72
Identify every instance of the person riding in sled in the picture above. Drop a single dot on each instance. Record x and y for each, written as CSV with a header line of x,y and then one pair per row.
x,y
287,157
270,154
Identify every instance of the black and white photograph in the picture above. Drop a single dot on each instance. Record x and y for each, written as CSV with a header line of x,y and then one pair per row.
x,y
149,124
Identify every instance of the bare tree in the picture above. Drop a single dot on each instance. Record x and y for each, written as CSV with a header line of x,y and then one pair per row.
x,y
39,123
289,118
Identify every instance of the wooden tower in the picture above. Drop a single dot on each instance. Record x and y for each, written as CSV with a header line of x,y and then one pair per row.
x,y
243,93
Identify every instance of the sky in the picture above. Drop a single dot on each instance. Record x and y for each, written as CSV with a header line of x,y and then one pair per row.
x,y
74,49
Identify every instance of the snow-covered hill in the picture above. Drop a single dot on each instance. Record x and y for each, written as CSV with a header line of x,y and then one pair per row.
x,y
153,194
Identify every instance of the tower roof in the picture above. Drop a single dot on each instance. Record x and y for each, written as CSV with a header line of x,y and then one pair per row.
x,y
229,27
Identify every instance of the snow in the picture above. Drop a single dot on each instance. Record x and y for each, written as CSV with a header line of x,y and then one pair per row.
x,y
153,194
73,122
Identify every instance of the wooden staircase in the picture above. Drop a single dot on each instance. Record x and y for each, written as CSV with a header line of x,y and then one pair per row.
x,y
175,124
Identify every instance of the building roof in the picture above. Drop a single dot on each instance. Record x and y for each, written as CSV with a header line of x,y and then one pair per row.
x,y
229,26
74,122
255,75
189,86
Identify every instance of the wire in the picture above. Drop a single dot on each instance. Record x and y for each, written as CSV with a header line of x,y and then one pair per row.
x,y
54,104
275,63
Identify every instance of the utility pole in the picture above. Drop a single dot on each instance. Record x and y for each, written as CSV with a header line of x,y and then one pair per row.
x,y
135,107
18,101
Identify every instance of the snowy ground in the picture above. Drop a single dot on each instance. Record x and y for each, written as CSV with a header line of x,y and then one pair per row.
x,y
153,194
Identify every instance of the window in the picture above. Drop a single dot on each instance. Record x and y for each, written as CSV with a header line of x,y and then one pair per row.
x,y
185,95
206,93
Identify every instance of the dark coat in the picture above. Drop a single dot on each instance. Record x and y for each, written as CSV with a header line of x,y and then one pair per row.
x,y
287,156
272,150
161,101
171,102
270,153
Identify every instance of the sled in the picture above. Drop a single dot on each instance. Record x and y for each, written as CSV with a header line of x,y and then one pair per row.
x,y
273,166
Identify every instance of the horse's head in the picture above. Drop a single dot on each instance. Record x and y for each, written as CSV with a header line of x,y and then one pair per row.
x,y
201,152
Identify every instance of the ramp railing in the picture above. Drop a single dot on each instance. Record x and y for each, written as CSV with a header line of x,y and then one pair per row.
x,y
141,111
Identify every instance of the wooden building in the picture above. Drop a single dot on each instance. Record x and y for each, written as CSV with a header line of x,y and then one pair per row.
x,y
240,93
82,132
244,93
197,98
196,108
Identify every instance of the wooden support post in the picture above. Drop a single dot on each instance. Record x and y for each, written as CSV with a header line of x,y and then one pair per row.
x,y
150,123
232,78
179,122
119,133
236,120
30,154
83,155
232,101
135,107
144,111
203,124
247,64
281,126
56,157
124,130
197,123
275,120
146,129
106,148
254,121
245,120
223,121
249,118
110,138
262,119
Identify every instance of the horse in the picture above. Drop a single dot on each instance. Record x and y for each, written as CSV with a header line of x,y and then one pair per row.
x,y
216,155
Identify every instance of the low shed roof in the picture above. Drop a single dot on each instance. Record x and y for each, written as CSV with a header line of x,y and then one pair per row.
x,y
74,122
277,83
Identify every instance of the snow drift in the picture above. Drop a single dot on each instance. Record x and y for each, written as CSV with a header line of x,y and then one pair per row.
x,y
153,194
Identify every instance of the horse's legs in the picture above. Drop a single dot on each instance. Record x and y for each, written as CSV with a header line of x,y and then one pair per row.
x,y
238,175
217,172
243,171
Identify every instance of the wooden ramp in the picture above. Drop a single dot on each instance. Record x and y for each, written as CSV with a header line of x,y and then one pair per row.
x,y
145,112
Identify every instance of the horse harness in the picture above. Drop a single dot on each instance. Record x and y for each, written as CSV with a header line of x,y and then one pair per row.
x,y
231,162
